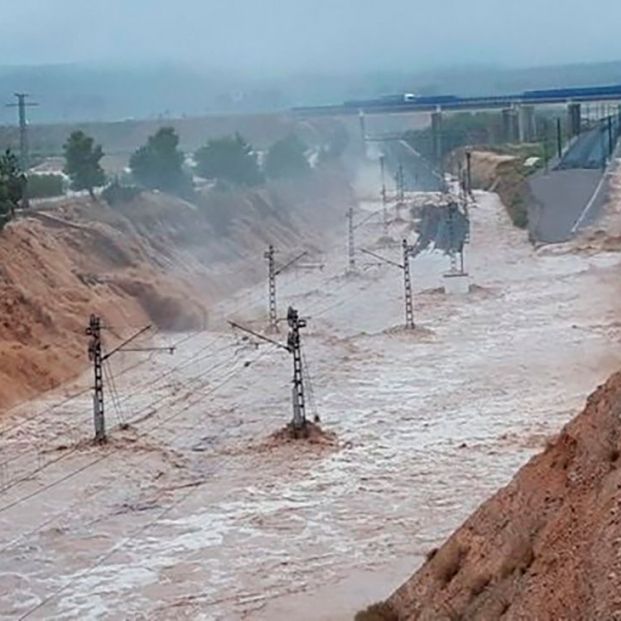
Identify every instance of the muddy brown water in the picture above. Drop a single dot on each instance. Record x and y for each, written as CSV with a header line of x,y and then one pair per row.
x,y
193,513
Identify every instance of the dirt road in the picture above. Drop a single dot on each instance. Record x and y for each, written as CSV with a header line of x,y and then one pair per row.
x,y
195,512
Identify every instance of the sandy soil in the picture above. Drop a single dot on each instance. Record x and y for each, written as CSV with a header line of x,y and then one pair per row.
x,y
157,260
546,547
57,269
195,512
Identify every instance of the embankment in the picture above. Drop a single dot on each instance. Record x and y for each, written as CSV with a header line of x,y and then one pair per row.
x,y
505,174
156,259
547,546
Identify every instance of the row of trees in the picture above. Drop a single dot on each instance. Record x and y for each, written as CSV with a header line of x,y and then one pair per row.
x,y
233,160
160,164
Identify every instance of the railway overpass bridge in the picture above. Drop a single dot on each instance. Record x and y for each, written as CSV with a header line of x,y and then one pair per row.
x,y
518,110
566,196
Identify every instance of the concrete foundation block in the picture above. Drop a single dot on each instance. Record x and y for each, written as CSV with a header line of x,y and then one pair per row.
x,y
456,284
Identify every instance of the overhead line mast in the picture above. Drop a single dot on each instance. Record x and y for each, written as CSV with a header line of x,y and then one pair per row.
x,y
97,357
294,347
272,272
407,279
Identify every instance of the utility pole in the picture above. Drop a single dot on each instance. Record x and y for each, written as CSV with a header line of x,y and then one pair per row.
x,y
384,197
469,172
21,105
97,357
454,250
451,227
363,132
400,179
409,306
294,347
272,272
545,146
611,144
400,184
271,284
382,162
407,280
559,138
351,248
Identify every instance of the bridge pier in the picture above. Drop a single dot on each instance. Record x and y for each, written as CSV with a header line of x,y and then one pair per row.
x,y
510,125
527,127
574,112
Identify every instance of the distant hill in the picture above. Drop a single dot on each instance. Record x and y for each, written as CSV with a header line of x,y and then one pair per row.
x,y
81,92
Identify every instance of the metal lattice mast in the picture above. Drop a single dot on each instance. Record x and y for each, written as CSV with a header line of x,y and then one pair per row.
x,y
294,346
407,280
384,197
452,208
95,355
469,173
400,189
351,246
271,279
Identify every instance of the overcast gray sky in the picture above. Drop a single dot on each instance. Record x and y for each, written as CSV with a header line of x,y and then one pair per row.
x,y
276,36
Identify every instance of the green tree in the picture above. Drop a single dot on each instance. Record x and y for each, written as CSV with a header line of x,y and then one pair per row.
x,y
159,164
228,159
12,186
82,162
287,159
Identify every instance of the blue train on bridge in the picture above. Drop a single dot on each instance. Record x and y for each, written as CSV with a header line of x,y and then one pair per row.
x,y
410,102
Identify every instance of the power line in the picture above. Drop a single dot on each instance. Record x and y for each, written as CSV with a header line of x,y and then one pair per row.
x,y
110,553
195,358
119,403
98,459
24,421
194,487
66,477
181,433
188,380
114,393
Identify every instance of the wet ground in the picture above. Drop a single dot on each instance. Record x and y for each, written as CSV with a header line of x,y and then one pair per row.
x,y
194,511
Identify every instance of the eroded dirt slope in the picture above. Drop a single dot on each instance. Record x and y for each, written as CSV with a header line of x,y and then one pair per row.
x,y
547,546
156,260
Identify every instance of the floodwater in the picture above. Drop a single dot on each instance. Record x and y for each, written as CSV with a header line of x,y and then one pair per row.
x,y
194,511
